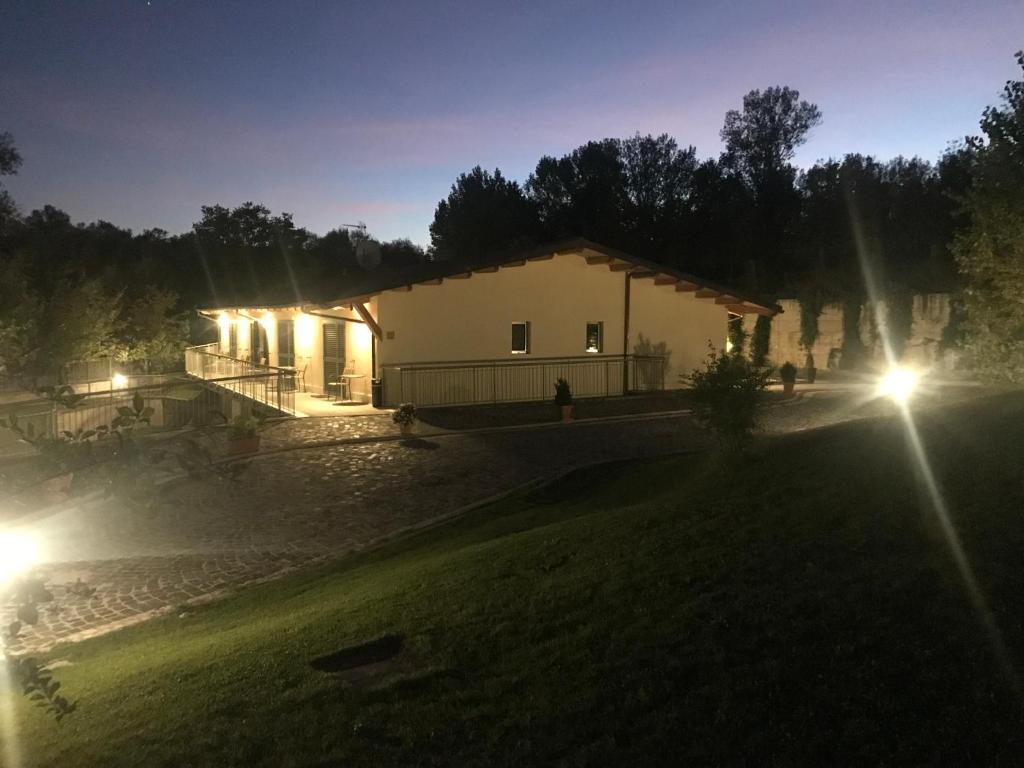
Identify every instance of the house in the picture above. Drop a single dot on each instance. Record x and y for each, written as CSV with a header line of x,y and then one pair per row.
x,y
503,329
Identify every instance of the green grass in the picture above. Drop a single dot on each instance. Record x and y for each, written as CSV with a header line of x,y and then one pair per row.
x,y
798,608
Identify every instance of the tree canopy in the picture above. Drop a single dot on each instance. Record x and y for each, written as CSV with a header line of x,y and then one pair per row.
x,y
990,250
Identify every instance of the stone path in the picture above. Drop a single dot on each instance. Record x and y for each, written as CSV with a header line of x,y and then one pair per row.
x,y
294,508
289,509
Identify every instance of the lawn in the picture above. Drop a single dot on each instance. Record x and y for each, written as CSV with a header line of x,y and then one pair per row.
x,y
800,607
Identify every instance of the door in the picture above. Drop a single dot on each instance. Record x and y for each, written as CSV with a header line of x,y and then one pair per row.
x,y
258,346
286,343
334,352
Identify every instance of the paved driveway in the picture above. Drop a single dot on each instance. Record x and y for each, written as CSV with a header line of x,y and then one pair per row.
x,y
293,508
289,509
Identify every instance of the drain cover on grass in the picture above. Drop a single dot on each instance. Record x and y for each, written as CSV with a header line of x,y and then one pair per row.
x,y
358,658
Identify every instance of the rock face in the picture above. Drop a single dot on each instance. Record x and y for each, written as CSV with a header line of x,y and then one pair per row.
x,y
930,316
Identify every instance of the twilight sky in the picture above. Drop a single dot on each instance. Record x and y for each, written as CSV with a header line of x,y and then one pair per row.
x,y
138,113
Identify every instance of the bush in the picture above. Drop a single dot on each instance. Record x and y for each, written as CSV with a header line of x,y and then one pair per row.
x,y
563,393
788,373
404,414
726,395
761,341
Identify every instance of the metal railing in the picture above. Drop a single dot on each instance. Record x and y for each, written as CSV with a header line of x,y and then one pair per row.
x,y
501,381
265,384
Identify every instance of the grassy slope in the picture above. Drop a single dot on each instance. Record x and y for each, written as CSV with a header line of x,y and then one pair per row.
x,y
799,608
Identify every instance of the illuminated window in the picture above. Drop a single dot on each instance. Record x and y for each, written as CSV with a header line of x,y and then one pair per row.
x,y
595,337
520,338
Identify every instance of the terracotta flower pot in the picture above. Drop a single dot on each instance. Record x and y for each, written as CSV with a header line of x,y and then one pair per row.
x,y
566,413
787,387
241,446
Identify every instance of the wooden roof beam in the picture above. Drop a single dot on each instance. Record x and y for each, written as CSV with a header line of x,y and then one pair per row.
x,y
460,276
643,274
541,257
685,286
402,289
619,266
435,281
707,293
371,323
487,269
599,259
727,299
665,280
519,263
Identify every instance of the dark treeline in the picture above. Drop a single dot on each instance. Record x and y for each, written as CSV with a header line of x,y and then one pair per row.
x,y
245,253
748,217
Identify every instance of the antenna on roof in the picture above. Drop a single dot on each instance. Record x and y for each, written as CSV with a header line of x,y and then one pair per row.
x,y
367,250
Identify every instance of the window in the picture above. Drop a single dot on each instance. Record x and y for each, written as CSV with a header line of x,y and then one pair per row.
x,y
520,338
286,343
595,337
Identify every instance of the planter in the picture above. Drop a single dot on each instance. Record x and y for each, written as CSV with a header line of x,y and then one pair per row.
x,y
241,446
811,374
566,412
406,429
787,387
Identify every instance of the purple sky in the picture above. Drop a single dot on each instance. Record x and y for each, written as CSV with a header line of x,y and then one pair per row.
x,y
138,113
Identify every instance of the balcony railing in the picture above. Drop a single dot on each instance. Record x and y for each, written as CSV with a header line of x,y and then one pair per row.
x,y
498,381
265,384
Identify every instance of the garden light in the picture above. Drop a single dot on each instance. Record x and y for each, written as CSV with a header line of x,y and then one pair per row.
x,y
119,380
898,385
18,552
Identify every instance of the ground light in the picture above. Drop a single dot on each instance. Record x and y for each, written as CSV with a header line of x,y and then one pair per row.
x,y
898,384
18,553
119,380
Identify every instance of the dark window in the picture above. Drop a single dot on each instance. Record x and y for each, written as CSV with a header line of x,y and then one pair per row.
x,y
258,343
233,339
520,338
595,337
286,343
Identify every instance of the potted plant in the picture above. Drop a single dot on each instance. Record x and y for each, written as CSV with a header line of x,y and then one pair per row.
x,y
243,435
788,375
810,372
563,398
405,416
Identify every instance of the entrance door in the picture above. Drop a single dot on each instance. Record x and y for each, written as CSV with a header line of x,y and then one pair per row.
x,y
334,352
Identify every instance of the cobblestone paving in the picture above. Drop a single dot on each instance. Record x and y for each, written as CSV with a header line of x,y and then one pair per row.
x,y
293,508
315,431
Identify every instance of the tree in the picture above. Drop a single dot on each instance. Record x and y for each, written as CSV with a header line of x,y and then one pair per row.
x,y
760,142
483,212
990,251
10,161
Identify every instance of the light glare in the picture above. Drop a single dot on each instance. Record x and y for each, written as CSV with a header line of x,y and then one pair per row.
x,y
119,380
18,552
898,384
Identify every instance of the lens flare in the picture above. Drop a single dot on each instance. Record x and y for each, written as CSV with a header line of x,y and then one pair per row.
x,y
898,384
18,553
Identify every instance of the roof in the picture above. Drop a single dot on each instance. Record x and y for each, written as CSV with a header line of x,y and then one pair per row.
x,y
366,285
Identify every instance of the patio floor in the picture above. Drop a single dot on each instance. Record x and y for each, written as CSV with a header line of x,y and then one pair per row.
x,y
308,404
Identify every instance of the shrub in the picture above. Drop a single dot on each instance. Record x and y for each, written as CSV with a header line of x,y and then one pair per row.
x,y
787,373
404,414
563,393
242,428
726,395
761,341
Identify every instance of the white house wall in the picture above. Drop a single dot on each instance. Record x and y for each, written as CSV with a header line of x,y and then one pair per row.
x,y
674,325
471,319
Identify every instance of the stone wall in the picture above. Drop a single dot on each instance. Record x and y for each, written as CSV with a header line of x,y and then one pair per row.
x,y
931,312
